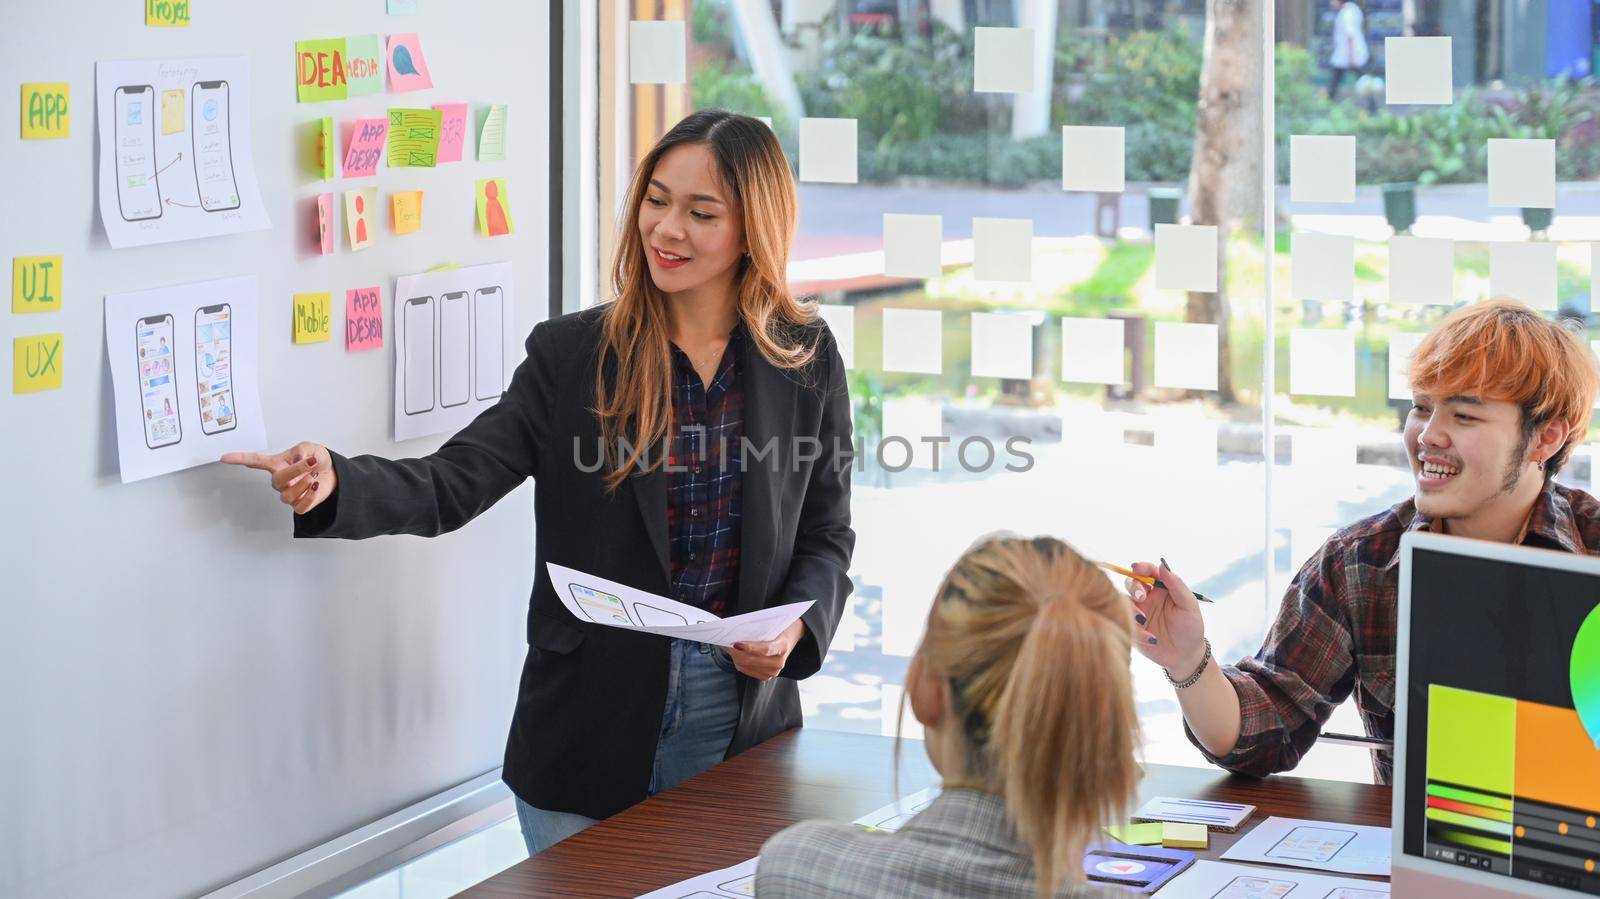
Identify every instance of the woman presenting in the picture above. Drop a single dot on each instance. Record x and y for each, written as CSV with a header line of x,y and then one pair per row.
x,y
690,438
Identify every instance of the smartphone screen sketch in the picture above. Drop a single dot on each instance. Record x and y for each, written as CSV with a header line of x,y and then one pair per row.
x,y
1251,887
213,147
134,131
1311,844
418,350
213,368
488,341
598,605
455,347
158,388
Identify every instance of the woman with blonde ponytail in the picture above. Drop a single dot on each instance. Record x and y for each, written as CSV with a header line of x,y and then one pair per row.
x,y
689,438
1022,685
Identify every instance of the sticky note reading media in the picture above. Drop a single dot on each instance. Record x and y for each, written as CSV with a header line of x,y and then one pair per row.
x,y
35,283
45,110
828,150
414,138
313,317
658,52
363,64
913,340
1002,345
36,363
1002,60
1002,249
911,245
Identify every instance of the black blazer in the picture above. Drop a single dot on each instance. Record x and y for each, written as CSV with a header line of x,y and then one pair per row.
x,y
588,714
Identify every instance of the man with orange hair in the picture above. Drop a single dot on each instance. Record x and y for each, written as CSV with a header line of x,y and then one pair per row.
x,y
1501,395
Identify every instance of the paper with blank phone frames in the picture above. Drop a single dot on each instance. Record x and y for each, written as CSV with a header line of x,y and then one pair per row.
x,y
595,599
736,882
1220,880
454,344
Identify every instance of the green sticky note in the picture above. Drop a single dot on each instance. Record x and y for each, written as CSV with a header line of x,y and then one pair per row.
x,y
319,70
325,154
414,137
363,64
1136,834
492,137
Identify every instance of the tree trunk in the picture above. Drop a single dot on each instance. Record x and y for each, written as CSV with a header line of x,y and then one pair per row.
x,y
1225,176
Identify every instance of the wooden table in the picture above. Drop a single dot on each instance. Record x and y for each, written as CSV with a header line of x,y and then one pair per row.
x,y
722,817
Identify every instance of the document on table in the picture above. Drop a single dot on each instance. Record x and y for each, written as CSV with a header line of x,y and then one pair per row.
x,y
592,598
1218,880
892,816
736,882
1320,845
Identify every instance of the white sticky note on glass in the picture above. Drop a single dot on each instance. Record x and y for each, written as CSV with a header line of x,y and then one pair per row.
x,y
828,150
1092,350
911,245
1322,362
658,52
1323,266
842,323
1002,345
913,340
1185,443
1418,71
1186,257
1002,60
1522,173
911,420
1322,168
1422,270
1002,249
1092,158
1186,355
1322,450
1401,345
1524,271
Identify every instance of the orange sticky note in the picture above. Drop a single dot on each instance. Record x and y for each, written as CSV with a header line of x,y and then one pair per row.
x,y
406,207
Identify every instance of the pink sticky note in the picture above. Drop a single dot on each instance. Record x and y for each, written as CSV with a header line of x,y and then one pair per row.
x,y
366,148
408,70
325,224
452,130
363,318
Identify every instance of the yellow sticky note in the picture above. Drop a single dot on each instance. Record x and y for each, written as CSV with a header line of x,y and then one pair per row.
x,y
1184,836
1137,834
494,208
45,108
313,317
407,211
166,12
172,111
36,363
35,283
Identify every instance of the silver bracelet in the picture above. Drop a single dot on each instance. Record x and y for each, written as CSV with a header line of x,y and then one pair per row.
x,y
1192,679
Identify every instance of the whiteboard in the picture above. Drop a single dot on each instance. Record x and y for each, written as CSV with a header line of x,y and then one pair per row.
x,y
186,694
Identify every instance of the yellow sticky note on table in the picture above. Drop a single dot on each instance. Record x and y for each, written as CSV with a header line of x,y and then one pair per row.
x,y
35,283
172,119
1175,835
1137,834
313,317
407,211
45,109
494,208
166,12
36,363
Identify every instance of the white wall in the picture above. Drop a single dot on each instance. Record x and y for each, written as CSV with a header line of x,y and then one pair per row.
x,y
187,695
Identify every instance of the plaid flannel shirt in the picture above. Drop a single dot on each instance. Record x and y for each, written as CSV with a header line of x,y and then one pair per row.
x,y
705,481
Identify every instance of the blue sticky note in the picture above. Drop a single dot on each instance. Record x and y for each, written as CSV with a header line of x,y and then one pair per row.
x,y
404,7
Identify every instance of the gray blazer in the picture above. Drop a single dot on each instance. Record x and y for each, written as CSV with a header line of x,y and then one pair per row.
x,y
962,845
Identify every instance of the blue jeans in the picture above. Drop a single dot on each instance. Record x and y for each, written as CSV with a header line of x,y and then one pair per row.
x,y
696,727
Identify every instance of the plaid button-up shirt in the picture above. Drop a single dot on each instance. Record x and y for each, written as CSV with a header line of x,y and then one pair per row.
x,y
1336,630
705,480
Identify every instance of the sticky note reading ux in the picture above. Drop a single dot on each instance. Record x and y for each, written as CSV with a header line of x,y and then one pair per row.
x,y
36,363
36,284
414,137
45,109
312,317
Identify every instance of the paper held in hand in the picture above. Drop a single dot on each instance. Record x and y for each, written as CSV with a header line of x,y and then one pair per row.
x,y
595,599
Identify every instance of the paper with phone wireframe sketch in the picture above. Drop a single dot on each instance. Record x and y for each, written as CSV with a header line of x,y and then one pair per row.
x,y
592,598
455,346
893,816
159,182
737,882
1319,845
1220,880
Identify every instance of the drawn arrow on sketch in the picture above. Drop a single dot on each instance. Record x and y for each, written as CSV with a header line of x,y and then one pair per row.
x,y
184,205
170,164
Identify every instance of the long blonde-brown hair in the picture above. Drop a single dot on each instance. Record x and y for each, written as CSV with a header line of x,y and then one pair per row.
x,y
1035,643
635,407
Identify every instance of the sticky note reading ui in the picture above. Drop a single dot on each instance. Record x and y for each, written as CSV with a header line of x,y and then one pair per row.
x,y
1401,345
1092,350
1524,271
1092,158
1002,60
37,362
1322,168
1324,266
35,283
911,245
1322,362
658,52
1002,345
1422,270
828,150
1186,355
1002,249
1186,257
842,323
913,340
1418,71
1522,173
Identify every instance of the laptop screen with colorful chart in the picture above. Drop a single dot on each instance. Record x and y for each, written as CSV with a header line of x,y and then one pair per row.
x,y
1502,680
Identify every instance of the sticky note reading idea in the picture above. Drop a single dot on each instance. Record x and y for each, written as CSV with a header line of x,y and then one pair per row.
x,y
312,317
36,284
363,319
36,363
45,109
166,12
319,70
